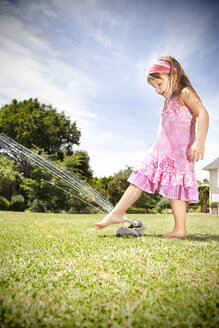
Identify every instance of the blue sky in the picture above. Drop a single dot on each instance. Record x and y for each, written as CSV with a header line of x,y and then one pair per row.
x,y
89,58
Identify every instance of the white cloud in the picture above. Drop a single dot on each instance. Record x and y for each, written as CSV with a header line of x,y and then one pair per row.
x,y
100,37
111,151
50,80
186,35
95,20
16,38
89,13
27,72
40,6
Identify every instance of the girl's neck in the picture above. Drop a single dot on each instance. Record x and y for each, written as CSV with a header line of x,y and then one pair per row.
x,y
167,99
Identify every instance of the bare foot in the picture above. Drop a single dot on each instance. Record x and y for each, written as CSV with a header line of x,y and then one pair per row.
x,y
176,233
110,218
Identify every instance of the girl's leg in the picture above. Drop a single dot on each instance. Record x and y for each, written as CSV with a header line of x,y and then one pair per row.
x,y
130,196
179,213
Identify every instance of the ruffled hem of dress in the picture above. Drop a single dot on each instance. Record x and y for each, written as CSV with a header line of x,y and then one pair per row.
x,y
168,177
167,185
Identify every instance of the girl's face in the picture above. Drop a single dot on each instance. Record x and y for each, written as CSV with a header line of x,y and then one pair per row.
x,y
162,84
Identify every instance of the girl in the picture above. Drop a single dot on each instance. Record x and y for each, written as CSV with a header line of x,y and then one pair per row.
x,y
169,164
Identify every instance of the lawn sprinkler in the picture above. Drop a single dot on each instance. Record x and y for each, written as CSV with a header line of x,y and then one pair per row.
x,y
135,229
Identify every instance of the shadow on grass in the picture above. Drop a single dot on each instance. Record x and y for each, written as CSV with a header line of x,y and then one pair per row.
x,y
196,237
203,237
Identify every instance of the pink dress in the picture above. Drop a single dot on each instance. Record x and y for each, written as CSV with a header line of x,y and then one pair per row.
x,y
166,166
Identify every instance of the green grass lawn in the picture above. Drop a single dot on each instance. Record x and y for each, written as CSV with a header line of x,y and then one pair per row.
x,y
57,271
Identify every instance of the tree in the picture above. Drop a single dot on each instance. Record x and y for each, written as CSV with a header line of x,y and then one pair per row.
x,y
10,179
11,193
78,163
47,193
102,185
43,195
118,185
204,195
34,124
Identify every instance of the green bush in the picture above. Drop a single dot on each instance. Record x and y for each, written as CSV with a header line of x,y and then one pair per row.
x,y
214,205
88,210
166,211
152,211
72,211
164,203
17,203
137,210
195,209
4,204
39,206
199,209
85,210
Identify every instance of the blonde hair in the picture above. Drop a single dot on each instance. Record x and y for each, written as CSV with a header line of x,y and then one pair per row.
x,y
182,80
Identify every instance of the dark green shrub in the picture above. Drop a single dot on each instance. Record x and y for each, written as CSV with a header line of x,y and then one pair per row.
x,y
17,203
88,210
163,204
72,211
137,210
152,210
39,206
214,205
4,204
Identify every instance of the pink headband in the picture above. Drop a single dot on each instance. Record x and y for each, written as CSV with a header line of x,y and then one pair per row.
x,y
161,66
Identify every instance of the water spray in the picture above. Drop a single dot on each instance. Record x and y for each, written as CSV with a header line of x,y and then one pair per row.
x,y
69,181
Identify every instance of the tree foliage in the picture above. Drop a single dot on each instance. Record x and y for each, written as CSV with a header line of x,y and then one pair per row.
x,y
79,163
118,185
41,192
10,179
34,124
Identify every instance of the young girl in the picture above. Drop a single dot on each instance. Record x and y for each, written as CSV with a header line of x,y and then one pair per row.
x,y
169,164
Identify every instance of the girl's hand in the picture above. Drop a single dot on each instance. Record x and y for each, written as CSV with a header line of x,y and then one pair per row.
x,y
196,151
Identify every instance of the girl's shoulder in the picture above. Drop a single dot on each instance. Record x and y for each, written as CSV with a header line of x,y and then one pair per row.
x,y
191,100
184,95
188,96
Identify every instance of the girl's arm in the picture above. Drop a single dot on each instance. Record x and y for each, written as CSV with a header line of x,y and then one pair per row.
x,y
191,100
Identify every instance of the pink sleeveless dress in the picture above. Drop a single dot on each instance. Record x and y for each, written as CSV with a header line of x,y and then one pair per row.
x,y
166,166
